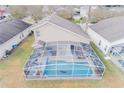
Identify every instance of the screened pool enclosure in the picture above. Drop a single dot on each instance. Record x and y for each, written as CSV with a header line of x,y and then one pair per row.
x,y
117,55
63,60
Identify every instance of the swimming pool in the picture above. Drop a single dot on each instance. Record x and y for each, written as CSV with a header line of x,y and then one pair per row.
x,y
67,69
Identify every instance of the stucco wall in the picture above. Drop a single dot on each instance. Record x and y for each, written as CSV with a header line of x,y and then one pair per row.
x,y
96,38
51,32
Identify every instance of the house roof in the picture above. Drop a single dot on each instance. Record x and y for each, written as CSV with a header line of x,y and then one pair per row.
x,y
11,28
67,25
111,29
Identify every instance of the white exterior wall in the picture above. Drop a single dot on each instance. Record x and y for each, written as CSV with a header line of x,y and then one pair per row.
x,y
117,42
51,32
96,38
15,40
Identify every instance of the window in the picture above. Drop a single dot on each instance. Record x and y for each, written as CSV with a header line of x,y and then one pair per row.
x,y
37,33
99,42
21,36
105,48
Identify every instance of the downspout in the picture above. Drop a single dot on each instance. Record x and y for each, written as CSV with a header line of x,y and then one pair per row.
x,y
88,18
107,53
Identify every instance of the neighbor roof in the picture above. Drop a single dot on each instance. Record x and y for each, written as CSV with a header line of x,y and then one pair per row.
x,y
111,29
67,25
11,28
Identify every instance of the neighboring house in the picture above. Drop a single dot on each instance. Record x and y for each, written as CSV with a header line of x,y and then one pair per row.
x,y
4,14
114,8
76,14
55,28
11,34
76,17
81,13
107,33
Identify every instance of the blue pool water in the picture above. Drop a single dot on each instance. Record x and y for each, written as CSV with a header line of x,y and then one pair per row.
x,y
67,69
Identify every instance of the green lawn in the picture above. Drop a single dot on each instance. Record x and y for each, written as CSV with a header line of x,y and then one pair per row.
x,y
109,66
11,72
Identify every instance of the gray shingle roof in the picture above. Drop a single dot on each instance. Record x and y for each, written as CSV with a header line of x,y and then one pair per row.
x,y
11,28
67,25
111,29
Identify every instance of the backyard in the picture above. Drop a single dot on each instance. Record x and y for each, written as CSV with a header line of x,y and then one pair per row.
x,y
11,72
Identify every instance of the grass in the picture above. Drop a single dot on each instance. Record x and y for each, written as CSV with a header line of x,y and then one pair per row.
x,y
107,63
110,68
11,72
3,65
77,21
101,56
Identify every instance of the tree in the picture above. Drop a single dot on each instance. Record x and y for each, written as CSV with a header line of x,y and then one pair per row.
x,y
18,11
40,11
66,12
